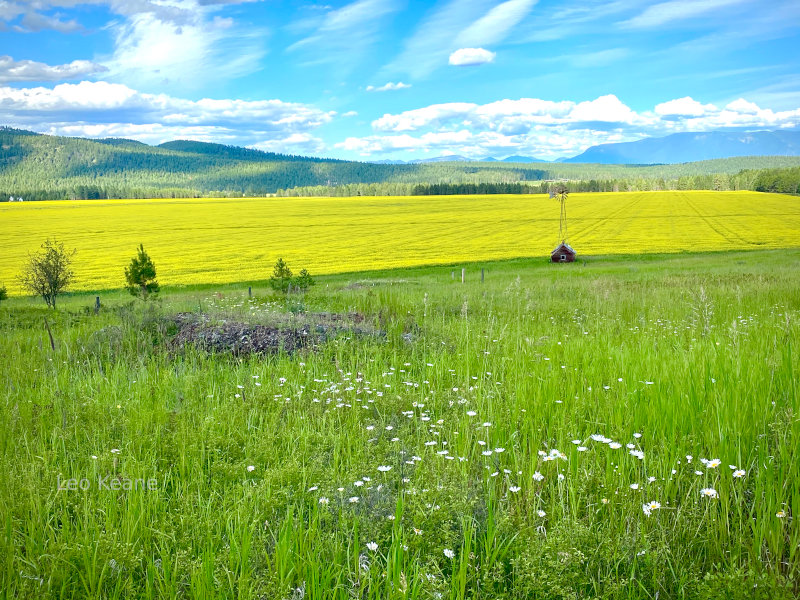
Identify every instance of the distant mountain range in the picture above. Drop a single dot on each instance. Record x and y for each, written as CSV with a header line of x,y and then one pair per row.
x,y
690,147
672,149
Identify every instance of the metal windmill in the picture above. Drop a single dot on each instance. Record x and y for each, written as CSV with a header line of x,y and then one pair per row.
x,y
560,193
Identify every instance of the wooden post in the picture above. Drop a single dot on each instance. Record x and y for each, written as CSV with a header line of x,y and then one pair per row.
x,y
250,292
453,275
462,275
481,275
96,304
50,335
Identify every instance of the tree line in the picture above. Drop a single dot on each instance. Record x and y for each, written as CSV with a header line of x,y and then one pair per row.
x,y
41,167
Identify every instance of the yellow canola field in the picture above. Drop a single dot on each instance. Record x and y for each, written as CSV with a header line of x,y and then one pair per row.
x,y
239,239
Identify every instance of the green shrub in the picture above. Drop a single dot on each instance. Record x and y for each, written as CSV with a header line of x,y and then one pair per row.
x,y
140,276
303,281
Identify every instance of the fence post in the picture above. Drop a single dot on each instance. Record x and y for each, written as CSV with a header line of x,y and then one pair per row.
x,y
462,274
453,275
250,291
97,304
481,275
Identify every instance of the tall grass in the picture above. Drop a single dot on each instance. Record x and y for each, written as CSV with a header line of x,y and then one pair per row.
x,y
479,402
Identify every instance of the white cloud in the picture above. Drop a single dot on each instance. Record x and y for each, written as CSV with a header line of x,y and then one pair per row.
x,y
10,10
675,10
468,57
29,70
548,129
103,109
388,87
33,21
608,109
350,113
744,107
684,107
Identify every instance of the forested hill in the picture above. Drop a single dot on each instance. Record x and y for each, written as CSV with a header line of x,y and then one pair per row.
x,y
38,167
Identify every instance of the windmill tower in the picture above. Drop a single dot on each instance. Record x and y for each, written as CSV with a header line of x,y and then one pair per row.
x,y
563,252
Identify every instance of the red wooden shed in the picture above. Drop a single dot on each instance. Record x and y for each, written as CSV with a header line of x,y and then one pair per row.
x,y
563,253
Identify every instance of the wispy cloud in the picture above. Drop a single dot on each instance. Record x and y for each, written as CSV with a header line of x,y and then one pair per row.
x,y
152,53
429,47
676,10
29,70
386,87
342,36
569,20
600,58
454,33
495,25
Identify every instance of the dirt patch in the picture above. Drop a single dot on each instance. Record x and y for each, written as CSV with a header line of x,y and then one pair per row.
x,y
239,338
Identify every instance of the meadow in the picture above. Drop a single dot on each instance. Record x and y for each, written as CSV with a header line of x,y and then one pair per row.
x,y
226,240
621,427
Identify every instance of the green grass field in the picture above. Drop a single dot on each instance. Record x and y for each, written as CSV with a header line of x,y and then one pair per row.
x,y
623,428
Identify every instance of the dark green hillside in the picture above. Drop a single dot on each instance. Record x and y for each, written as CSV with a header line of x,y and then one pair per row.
x,y
43,167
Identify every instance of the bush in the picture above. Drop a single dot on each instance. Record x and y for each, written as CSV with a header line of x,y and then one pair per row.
x,y
3,293
282,280
303,281
141,275
49,271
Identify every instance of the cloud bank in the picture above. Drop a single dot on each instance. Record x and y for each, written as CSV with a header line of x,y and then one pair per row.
x,y
550,129
103,109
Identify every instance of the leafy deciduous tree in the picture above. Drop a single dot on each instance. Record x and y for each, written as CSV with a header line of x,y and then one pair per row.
x,y
49,271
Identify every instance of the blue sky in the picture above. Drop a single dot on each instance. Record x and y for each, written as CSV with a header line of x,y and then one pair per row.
x,y
385,79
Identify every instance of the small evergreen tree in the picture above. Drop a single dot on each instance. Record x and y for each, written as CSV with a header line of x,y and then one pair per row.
x,y
304,280
3,293
281,276
48,272
140,276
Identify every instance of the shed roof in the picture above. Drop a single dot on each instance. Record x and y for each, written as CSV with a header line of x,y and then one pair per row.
x,y
563,245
